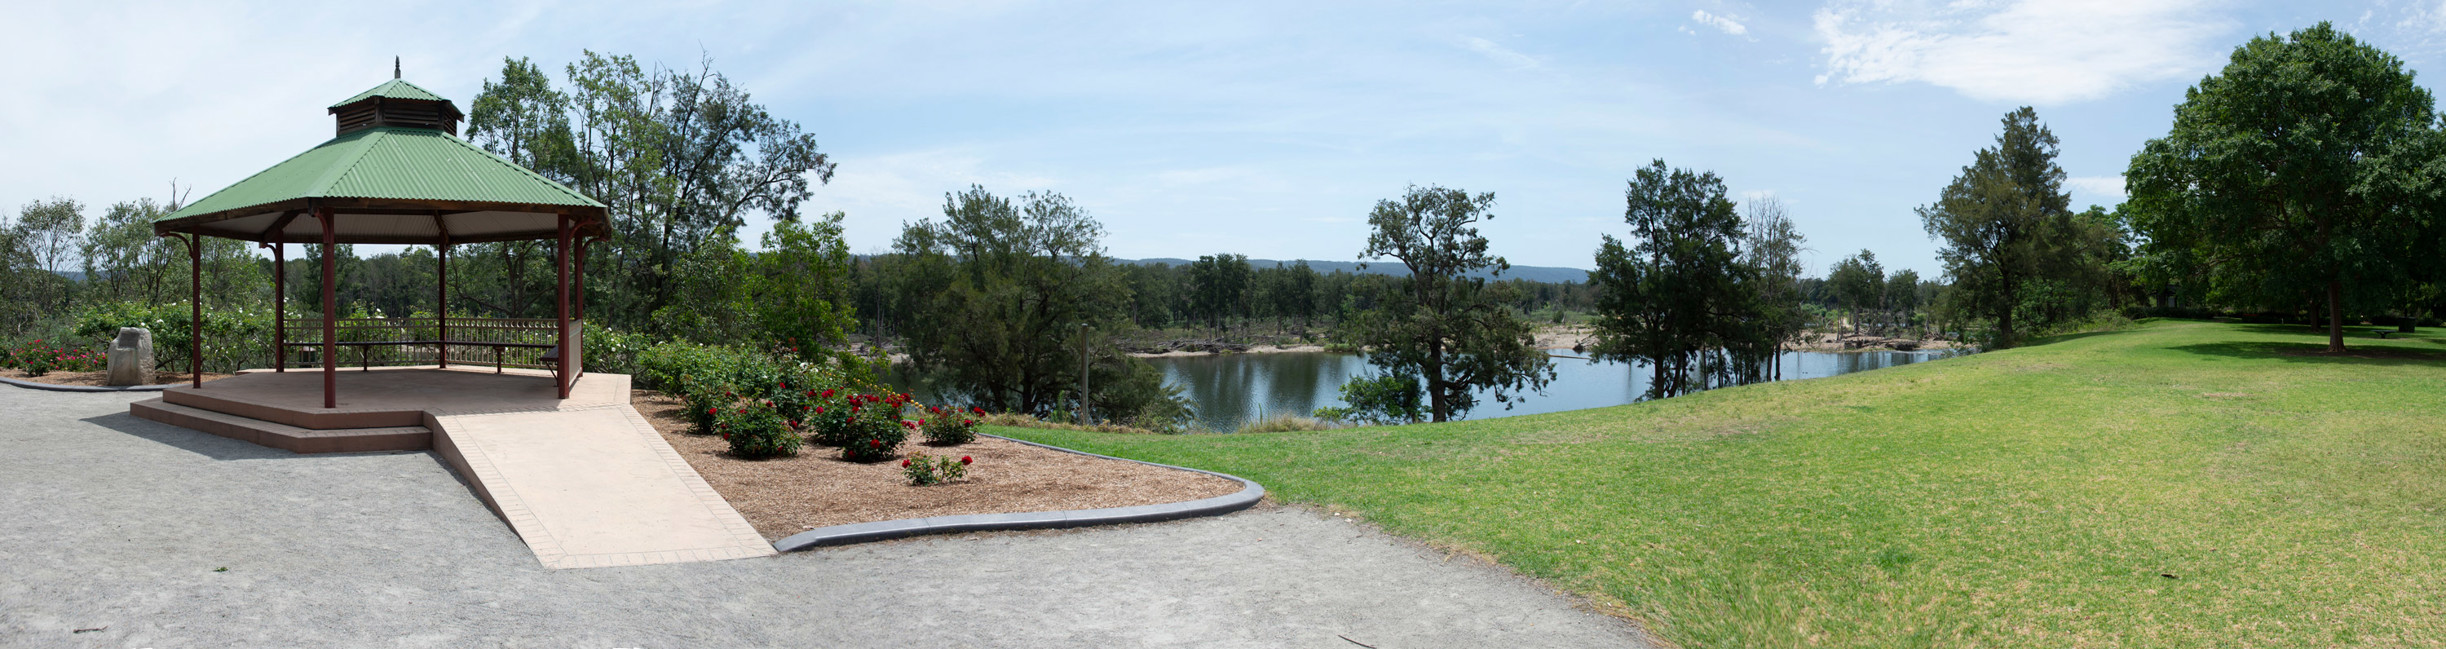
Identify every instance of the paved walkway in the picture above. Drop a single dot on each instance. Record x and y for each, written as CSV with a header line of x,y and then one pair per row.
x,y
118,524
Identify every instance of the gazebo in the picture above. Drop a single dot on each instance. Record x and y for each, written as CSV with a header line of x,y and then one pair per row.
x,y
396,172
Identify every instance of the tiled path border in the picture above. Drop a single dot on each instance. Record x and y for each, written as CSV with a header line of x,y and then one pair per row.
x,y
1249,494
55,387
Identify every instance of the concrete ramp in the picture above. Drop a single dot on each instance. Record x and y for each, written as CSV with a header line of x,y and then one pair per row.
x,y
594,488
585,481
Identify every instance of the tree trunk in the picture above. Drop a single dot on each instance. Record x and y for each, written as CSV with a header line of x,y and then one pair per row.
x,y
1434,373
2335,316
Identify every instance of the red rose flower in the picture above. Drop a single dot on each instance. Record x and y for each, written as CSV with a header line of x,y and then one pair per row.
x,y
904,463
819,410
964,459
713,411
874,443
828,393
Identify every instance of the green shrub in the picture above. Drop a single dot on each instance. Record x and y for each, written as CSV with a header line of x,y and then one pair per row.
x,y
705,400
234,339
866,427
924,470
660,367
40,357
950,427
1380,399
756,429
611,351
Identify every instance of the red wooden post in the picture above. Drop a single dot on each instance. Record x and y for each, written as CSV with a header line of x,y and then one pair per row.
x,y
195,305
441,303
331,305
560,261
280,304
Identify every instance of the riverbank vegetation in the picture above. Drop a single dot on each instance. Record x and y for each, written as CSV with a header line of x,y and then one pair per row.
x,y
2178,484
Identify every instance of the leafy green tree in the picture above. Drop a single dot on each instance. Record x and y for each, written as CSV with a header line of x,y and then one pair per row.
x,y
125,261
800,286
1859,286
1772,250
2006,222
1002,290
2305,171
1439,325
1678,296
1902,296
681,158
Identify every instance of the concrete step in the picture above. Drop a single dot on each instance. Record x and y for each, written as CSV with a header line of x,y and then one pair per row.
x,y
284,436
305,412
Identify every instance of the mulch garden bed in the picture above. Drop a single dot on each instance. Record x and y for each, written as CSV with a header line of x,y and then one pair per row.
x,y
816,488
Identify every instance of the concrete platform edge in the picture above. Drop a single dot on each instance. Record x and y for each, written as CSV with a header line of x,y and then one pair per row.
x,y
1248,496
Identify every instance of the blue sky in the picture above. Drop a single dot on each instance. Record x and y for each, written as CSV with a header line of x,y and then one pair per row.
x,y
1261,128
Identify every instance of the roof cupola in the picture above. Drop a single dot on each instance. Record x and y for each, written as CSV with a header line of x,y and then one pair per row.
x,y
397,103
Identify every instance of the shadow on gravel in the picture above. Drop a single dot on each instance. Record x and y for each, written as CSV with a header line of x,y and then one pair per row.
x,y
2317,353
199,443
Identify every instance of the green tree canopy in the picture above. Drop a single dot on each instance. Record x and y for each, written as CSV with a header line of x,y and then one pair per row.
x,y
1448,330
2304,172
1679,295
1999,224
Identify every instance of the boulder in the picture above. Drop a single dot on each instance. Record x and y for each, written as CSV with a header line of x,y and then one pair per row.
x,y
131,357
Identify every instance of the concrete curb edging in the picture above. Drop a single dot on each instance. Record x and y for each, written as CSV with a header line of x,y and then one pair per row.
x,y
54,387
1250,492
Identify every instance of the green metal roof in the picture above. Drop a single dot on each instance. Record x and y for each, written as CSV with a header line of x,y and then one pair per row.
x,y
394,89
386,169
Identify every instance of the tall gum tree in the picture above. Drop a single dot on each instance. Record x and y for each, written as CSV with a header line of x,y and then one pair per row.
x,y
1997,221
1450,330
2306,170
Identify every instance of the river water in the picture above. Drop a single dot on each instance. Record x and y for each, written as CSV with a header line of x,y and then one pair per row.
x,y
1232,388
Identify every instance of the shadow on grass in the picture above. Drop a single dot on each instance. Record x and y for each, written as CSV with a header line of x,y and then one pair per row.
x,y
2317,353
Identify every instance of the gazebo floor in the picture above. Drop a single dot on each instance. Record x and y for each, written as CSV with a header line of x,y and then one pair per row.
x,y
585,481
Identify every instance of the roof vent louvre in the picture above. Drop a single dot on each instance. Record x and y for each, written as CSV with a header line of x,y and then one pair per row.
x,y
396,104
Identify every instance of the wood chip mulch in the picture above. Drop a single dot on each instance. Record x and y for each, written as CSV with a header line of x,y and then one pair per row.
x,y
816,488
98,378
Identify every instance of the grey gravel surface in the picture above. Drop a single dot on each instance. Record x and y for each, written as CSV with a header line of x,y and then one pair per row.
x,y
121,525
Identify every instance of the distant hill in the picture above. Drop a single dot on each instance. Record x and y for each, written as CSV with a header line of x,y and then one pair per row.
x,y
1549,274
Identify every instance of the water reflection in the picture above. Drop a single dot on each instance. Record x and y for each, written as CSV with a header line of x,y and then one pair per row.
x,y
1233,388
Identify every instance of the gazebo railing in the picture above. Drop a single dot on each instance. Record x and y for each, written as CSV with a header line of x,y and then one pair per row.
x,y
384,342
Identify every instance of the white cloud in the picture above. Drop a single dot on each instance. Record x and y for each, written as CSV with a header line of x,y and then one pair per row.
x,y
1726,24
1498,52
2101,186
2038,51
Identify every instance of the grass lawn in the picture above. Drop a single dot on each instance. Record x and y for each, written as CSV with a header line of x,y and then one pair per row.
x,y
2180,484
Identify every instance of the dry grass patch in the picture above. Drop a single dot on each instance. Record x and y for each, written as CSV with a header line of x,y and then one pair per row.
x,y
785,496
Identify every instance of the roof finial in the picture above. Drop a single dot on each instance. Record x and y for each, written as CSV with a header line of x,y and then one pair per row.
x,y
394,67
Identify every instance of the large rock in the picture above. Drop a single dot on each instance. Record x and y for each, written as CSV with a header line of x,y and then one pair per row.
x,y
131,357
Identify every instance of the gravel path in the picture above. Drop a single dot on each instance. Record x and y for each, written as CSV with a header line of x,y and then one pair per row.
x,y
123,525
